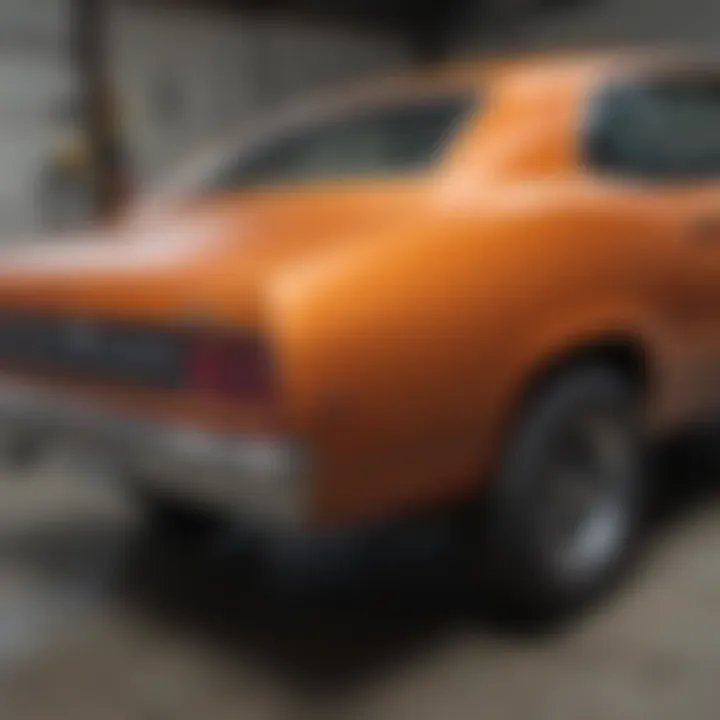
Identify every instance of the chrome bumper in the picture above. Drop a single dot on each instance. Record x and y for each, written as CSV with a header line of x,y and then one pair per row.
x,y
257,477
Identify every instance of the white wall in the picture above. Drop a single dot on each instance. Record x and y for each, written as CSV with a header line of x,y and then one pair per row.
x,y
34,73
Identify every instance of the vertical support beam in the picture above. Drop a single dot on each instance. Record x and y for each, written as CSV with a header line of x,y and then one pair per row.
x,y
432,28
427,33
89,32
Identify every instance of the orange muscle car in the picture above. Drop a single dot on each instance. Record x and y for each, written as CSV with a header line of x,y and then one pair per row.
x,y
485,285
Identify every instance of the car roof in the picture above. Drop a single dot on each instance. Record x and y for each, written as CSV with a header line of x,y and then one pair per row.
x,y
567,74
573,68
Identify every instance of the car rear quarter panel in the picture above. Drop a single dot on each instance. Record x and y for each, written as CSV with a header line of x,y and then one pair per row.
x,y
402,358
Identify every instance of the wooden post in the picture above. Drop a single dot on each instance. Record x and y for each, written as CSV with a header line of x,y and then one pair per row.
x,y
89,38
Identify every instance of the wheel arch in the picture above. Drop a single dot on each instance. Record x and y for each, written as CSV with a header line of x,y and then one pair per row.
x,y
627,352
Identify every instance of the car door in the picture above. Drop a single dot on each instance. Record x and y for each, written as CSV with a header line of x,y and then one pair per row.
x,y
661,135
694,287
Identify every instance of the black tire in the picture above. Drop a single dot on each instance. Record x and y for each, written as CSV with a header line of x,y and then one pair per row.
x,y
537,575
175,518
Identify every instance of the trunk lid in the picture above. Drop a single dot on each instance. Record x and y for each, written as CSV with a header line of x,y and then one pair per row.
x,y
170,264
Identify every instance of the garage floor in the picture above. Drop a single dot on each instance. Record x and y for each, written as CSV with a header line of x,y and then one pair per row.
x,y
99,623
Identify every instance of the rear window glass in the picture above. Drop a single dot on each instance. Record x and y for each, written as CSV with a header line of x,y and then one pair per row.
x,y
394,139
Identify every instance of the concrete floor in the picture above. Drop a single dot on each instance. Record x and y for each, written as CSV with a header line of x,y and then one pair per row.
x,y
96,624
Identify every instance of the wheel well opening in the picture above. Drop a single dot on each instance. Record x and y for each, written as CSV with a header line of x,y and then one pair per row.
x,y
626,356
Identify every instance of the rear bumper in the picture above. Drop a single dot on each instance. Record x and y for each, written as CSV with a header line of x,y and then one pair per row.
x,y
260,478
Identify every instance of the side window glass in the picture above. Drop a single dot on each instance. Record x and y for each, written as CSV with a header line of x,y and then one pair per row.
x,y
662,130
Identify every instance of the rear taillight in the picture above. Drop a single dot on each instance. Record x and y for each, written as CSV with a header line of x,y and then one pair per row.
x,y
231,366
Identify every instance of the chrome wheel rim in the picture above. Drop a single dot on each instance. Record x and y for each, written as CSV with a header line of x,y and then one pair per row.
x,y
587,508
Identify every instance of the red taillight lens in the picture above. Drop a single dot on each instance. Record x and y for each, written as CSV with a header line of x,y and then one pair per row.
x,y
237,367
